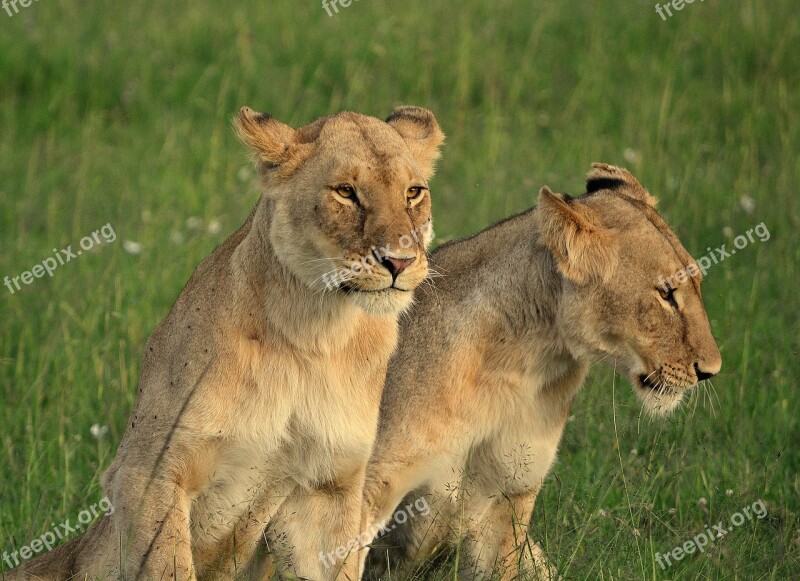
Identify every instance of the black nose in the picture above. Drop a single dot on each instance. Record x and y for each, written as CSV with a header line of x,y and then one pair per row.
x,y
701,375
397,265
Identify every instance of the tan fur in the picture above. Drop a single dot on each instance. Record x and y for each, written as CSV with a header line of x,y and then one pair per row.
x,y
258,400
490,359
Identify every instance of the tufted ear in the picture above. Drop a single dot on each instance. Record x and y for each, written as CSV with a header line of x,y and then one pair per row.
x,y
604,176
274,144
422,134
583,247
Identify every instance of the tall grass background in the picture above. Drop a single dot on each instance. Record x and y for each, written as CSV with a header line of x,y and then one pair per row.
x,y
121,115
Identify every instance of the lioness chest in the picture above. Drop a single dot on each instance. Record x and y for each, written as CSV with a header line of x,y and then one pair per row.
x,y
294,420
522,409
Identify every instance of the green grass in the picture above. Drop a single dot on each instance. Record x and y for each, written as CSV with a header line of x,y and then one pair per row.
x,y
121,115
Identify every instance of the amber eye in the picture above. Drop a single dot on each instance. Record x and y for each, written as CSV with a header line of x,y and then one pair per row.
x,y
345,194
415,194
346,190
668,295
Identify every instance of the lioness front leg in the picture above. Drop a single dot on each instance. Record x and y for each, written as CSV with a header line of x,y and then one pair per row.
x,y
151,521
497,540
391,476
315,533
428,517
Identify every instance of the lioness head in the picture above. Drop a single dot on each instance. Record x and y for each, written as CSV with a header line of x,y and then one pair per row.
x,y
350,200
615,252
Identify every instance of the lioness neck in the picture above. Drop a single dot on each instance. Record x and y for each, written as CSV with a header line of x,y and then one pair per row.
x,y
511,287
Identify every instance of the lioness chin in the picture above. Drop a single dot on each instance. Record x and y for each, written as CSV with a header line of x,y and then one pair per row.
x,y
491,356
258,400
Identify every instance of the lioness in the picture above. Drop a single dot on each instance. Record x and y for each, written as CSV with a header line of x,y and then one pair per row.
x,y
491,357
260,391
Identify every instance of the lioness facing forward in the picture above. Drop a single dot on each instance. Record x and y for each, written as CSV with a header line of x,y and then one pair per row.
x,y
491,357
259,394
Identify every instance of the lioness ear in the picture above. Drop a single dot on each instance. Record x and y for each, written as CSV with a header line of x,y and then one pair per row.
x,y
604,176
422,134
584,249
271,141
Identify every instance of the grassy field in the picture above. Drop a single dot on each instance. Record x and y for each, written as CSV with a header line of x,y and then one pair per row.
x,y
121,115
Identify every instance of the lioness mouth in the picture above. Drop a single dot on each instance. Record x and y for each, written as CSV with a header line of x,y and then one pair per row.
x,y
351,289
650,384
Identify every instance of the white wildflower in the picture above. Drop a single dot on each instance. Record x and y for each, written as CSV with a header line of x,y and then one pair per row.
x,y
132,247
98,431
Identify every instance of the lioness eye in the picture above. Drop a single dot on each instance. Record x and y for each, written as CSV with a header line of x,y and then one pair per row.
x,y
346,191
415,193
345,194
669,296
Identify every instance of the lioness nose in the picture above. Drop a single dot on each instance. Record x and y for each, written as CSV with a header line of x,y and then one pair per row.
x,y
397,265
701,375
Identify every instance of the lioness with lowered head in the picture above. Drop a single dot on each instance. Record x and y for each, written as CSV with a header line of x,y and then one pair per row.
x,y
258,399
491,357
